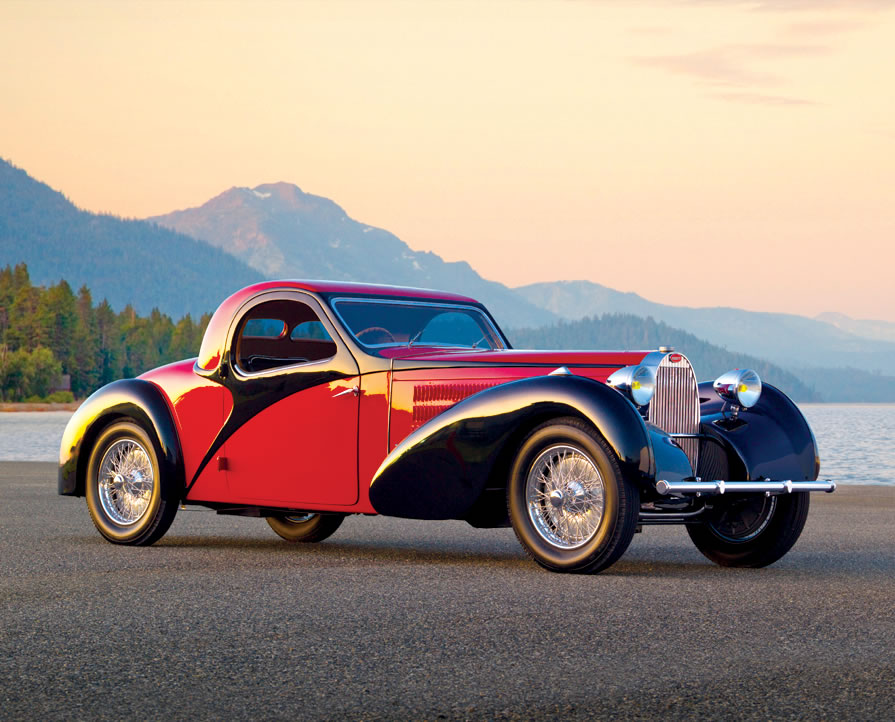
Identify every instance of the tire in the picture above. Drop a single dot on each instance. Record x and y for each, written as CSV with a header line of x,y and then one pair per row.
x,y
129,499
305,527
749,530
569,503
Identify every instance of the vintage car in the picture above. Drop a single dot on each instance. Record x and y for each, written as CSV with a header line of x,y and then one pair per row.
x,y
313,400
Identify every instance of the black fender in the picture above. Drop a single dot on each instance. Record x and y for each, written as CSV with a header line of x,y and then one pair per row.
x,y
137,399
771,440
441,469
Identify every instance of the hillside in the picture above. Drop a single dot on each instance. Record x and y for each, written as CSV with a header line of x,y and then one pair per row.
x,y
125,261
283,232
866,328
787,339
622,331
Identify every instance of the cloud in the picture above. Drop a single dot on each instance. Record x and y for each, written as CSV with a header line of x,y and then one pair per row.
x,y
823,28
731,65
760,99
802,5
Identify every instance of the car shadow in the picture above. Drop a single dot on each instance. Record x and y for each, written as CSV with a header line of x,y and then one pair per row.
x,y
670,561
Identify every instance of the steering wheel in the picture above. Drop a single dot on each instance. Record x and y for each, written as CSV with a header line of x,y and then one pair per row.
x,y
374,329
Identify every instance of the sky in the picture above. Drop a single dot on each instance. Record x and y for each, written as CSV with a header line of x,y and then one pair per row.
x,y
700,153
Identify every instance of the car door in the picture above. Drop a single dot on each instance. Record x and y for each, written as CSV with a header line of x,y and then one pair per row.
x,y
296,393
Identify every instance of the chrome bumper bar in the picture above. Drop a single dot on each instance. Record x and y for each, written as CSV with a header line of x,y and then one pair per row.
x,y
769,488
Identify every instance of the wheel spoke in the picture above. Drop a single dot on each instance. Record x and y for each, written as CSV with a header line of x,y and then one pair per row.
x,y
125,481
564,492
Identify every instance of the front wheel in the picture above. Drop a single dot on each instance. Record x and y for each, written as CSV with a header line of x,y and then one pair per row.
x,y
305,527
129,499
570,505
748,530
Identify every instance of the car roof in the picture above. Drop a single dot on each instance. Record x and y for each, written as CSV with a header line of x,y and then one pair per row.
x,y
336,288
214,337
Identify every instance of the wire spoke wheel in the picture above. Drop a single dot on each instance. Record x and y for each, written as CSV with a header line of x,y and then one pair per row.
x,y
742,519
132,499
305,526
125,481
569,503
565,496
750,530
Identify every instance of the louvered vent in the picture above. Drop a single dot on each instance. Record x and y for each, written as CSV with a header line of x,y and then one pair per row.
x,y
429,400
675,405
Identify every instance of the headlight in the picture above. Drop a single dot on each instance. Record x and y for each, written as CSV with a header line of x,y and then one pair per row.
x,y
741,387
638,383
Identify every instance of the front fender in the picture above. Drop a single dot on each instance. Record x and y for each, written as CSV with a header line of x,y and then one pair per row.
x,y
137,399
441,469
771,440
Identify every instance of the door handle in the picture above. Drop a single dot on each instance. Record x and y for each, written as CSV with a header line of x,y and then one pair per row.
x,y
353,390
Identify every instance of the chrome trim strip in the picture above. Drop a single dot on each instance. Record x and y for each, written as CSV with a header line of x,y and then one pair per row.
x,y
699,488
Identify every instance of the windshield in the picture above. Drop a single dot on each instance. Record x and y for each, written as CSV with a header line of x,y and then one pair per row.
x,y
379,323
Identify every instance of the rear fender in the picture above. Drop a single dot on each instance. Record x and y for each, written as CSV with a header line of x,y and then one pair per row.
x,y
135,399
440,470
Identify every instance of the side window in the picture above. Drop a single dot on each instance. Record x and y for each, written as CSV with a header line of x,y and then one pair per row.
x,y
310,331
281,333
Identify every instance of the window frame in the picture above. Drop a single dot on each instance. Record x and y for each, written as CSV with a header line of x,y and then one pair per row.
x,y
295,296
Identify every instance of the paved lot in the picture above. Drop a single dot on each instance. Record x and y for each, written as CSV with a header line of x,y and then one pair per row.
x,y
400,619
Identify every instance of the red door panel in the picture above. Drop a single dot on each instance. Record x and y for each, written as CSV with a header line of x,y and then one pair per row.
x,y
298,452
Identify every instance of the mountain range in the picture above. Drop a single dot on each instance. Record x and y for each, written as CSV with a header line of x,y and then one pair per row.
x,y
283,232
189,260
125,261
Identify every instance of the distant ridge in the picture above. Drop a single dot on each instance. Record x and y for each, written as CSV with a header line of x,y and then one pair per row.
x,y
787,339
866,328
624,331
125,261
283,232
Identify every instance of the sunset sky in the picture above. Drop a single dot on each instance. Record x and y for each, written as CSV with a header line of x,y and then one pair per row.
x,y
698,153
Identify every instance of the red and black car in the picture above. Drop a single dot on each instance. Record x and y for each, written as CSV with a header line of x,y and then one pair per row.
x,y
313,400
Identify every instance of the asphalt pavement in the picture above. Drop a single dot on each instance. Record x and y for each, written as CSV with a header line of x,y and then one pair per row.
x,y
397,619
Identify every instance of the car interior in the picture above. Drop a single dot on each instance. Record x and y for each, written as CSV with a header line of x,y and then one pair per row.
x,y
281,333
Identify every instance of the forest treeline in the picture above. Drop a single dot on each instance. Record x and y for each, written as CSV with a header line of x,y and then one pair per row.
x,y
46,332
49,331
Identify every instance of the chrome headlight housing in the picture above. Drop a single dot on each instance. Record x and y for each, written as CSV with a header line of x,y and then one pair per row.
x,y
638,383
741,387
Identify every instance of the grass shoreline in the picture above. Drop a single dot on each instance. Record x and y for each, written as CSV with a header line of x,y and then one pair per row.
x,y
10,406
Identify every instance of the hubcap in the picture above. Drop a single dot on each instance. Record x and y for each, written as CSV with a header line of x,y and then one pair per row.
x,y
299,518
125,481
565,496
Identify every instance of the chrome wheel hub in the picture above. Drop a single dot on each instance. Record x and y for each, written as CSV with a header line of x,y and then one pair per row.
x,y
299,518
565,496
125,481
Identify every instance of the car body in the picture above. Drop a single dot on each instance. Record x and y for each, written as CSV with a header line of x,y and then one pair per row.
x,y
313,400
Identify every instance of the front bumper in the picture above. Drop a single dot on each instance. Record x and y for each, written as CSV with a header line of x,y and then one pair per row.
x,y
711,488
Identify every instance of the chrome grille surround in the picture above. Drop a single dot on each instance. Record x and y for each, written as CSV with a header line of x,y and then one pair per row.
x,y
675,405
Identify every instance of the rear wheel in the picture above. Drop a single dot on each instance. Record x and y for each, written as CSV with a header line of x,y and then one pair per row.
x,y
305,527
129,499
750,530
570,505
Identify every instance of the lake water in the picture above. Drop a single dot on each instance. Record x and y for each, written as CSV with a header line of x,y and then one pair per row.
x,y
857,441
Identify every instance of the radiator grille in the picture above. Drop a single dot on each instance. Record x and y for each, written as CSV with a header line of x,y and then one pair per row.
x,y
675,405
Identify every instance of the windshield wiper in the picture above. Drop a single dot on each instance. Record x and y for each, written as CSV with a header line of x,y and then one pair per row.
x,y
411,342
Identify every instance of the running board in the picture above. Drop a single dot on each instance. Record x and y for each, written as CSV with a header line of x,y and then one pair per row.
x,y
769,488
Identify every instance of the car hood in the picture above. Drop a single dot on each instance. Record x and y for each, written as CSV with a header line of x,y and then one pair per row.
x,y
513,357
